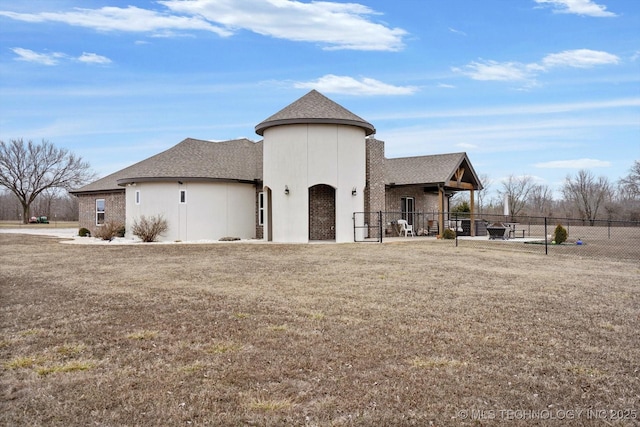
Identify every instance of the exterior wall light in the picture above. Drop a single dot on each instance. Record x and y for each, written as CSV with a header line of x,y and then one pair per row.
x,y
286,189
354,191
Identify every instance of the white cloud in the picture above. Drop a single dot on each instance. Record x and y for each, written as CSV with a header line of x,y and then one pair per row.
x,y
348,85
579,58
92,58
578,7
574,164
466,146
55,57
333,25
519,72
39,58
453,30
496,71
130,19
446,86
509,113
497,135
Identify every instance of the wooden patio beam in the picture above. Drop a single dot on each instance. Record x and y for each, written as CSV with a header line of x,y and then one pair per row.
x,y
462,185
472,216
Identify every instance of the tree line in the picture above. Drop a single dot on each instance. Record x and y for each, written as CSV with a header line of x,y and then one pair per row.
x,y
584,196
55,205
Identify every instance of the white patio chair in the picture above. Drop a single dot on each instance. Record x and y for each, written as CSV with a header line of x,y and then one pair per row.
x,y
405,227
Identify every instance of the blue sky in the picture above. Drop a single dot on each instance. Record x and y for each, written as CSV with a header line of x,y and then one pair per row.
x,y
526,87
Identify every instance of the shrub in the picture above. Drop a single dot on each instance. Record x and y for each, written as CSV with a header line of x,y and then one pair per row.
x,y
560,234
448,234
84,232
109,230
461,207
461,210
148,229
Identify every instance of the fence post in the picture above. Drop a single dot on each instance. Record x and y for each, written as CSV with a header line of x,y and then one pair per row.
x,y
609,228
380,225
353,218
546,249
456,227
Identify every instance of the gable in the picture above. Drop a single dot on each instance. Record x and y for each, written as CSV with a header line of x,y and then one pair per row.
x,y
439,169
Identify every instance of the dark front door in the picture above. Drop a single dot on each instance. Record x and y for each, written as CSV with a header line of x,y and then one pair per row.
x,y
322,212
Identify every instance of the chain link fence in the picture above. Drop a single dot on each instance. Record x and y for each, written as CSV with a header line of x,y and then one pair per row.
x,y
597,238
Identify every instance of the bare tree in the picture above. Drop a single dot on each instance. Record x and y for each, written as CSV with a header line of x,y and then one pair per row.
x,y
540,199
629,186
9,206
482,194
587,193
628,194
28,169
517,190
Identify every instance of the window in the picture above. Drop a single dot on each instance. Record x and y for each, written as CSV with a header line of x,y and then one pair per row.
x,y
137,197
183,197
407,206
261,208
99,211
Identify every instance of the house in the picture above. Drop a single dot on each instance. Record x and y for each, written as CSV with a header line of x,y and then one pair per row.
x,y
317,165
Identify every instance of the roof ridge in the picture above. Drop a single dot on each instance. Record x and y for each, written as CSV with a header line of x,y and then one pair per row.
x,y
458,153
314,107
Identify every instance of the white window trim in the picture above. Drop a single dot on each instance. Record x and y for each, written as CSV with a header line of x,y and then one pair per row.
x,y
182,197
104,208
406,213
261,208
137,197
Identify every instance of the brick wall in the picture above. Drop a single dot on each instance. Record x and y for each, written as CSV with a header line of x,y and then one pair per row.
x,y
374,192
114,209
260,228
425,203
322,212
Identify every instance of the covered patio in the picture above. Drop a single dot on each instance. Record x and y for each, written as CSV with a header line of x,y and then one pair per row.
x,y
425,185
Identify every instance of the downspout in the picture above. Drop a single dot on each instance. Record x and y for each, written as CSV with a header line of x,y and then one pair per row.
x,y
440,209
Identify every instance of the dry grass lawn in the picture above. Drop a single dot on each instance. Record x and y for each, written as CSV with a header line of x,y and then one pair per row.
x,y
615,243
407,333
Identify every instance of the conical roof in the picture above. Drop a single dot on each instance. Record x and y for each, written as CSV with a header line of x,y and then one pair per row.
x,y
314,107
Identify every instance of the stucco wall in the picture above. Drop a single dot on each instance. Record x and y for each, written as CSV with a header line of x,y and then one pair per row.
x,y
114,209
301,156
212,210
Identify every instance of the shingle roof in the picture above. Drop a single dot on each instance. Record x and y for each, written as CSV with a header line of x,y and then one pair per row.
x,y
191,159
434,169
314,108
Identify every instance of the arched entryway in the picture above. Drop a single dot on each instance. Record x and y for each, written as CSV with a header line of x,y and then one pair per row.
x,y
322,212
